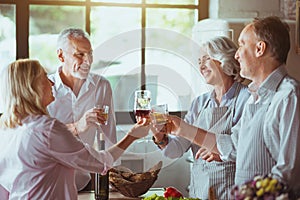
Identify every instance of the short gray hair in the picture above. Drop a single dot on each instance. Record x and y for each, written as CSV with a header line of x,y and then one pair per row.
x,y
223,50
66,34
275,33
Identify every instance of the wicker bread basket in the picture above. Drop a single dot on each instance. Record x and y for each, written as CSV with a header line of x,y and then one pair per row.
x,y
133,184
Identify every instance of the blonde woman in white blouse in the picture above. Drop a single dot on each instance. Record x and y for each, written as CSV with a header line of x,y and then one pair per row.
x,y
39,154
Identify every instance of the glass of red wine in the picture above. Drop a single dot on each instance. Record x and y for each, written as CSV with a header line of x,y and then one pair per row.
x,y
142,104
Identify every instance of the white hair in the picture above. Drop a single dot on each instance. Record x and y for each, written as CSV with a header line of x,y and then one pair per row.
x,y
66,34
223,49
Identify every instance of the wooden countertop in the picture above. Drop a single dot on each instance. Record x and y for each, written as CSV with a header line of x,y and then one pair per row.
x,y
112,195
117,196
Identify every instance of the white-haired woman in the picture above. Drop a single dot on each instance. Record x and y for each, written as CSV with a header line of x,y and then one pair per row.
x,y
38,153
217,111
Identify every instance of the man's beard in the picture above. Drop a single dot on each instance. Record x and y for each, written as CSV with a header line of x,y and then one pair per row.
x,y
82,72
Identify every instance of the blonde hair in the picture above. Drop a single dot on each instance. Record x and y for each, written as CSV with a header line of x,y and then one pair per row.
x,y
20,82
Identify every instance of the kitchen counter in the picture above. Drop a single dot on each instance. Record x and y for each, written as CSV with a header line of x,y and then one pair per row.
x,y
113,195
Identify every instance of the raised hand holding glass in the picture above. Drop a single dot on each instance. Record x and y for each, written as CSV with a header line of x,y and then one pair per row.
x,y
142,104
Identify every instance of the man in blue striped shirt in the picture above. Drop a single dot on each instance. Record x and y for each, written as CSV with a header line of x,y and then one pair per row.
x,y
266,140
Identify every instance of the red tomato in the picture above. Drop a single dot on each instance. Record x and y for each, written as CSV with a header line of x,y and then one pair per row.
x,y
172,192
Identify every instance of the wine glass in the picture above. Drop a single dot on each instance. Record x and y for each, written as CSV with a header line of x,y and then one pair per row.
x,y
142,103
104,113
159,114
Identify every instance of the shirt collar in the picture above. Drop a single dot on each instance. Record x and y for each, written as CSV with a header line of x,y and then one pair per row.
x,y
59,84
271,83
273,80
228,95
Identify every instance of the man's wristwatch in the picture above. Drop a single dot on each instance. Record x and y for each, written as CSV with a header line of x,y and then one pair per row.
x,y
164,140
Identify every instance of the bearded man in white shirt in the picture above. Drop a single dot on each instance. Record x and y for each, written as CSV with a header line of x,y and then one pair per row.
x,y
77,92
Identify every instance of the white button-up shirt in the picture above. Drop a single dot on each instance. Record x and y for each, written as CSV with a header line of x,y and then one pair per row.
x,y
69,108
38,159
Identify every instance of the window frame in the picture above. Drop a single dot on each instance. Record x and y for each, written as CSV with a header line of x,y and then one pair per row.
x,y
298,27
22,17
22,26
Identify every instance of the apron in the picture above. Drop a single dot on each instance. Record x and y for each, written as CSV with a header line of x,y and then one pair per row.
x,y
253,156
219,176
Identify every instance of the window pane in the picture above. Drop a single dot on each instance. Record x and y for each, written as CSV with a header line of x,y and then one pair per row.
x,y
45,24
178,80
108,22
180,20
116,37
169,56
118,1
7,34
178,2
58,0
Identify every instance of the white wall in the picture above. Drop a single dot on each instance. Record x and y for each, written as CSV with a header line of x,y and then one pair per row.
x,y
243,8
238,13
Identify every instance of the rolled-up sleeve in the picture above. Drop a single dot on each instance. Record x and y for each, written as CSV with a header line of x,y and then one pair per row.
x,y
4,194
68,150
177,146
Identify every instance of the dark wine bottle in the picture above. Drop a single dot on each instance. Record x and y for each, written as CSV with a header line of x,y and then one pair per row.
x,y
101,181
